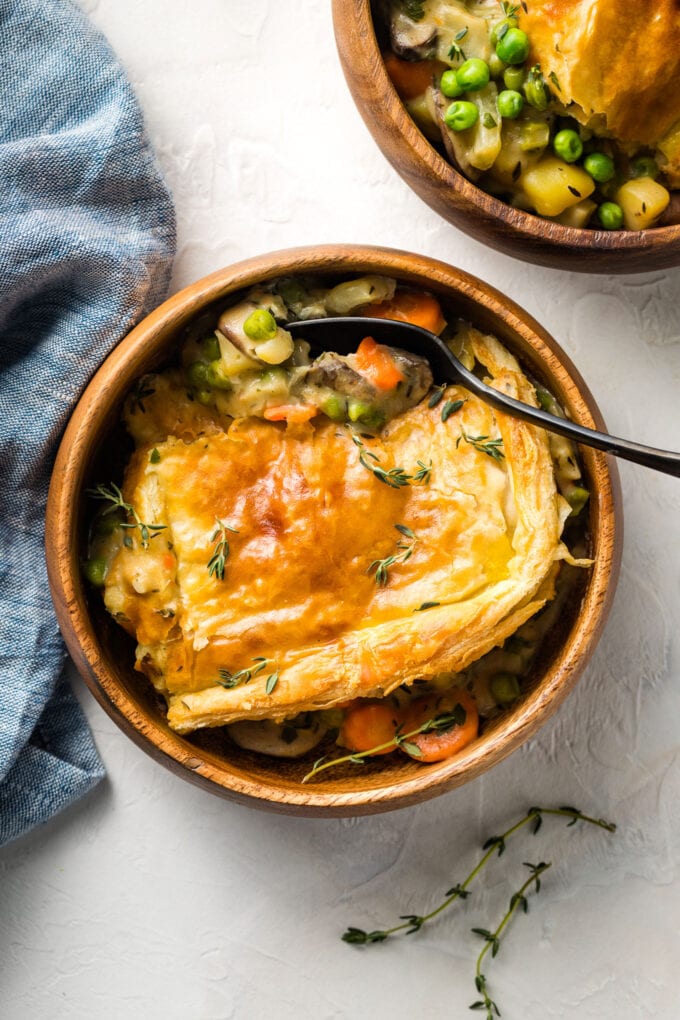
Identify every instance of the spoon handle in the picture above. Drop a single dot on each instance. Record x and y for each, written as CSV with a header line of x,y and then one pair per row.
x,y
660,460
343,333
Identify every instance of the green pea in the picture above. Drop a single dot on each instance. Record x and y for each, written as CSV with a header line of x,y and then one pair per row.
x,y
510,104
211,347
449,84
500,29
216,378
204,397
366,414
473,75
334,407
496,65
599,166
95,571
610,216
504,688
198,373
461,115
644,166
260,325
291,291
567,145
513,47
106,524
513,78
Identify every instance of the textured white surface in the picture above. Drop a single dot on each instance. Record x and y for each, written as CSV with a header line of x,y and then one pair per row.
x,y
154,900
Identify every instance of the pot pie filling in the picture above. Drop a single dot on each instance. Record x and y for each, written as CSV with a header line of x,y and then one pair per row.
x,y
566,108
298,541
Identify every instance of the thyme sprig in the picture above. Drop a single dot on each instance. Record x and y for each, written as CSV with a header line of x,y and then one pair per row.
x,y
229,680
491,447
396,477
404,553
217,561
114,496
495,844
492,938
436,724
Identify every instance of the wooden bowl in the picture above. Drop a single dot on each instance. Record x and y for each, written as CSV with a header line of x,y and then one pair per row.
x,y
487,219
104,654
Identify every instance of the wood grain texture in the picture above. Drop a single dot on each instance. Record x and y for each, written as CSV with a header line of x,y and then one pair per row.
x,y
104,654
487,219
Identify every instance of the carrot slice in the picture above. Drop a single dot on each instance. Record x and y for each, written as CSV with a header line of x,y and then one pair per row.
x,y
410,306
376,362
410,77
291,412
369,725
440,744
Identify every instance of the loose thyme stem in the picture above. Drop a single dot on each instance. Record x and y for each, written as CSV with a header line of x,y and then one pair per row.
x,y
414,922
492,938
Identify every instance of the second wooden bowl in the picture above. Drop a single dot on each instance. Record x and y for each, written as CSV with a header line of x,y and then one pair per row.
x,y
454,197
104,654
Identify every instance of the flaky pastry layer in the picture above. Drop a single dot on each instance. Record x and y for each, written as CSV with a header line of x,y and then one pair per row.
x,y
307,522
619,62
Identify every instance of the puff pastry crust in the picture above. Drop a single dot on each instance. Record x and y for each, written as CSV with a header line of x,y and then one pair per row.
x,y
619,63
308,520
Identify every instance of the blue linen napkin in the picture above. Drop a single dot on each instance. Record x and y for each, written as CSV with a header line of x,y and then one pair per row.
x,y
87,235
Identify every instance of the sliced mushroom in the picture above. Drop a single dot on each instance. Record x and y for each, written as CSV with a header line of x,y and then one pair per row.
x,y
281,740
412,40
417,372
455,145
333,371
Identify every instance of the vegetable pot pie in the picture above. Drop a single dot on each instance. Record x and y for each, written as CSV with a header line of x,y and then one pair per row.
x,y
297,539
566,108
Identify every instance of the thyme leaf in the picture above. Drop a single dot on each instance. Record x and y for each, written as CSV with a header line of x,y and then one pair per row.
x,y
114,496
217,561
450,407
229,680
139,393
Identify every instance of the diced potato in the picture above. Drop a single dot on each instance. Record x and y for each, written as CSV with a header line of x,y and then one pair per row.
x,y
484,139
512,160
276,350
365,290
642,200
233,362
669,155
421,111
553,186
577,215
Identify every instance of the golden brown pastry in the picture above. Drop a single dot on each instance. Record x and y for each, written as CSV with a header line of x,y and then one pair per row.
x,y
299,601
619,62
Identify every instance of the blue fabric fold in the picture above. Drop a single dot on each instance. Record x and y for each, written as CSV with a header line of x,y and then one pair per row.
x,y
87,235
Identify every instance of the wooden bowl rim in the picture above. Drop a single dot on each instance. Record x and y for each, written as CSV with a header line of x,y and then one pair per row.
x,y
398,136
109,383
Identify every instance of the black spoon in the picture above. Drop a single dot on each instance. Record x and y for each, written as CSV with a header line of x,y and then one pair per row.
x,y
345,333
